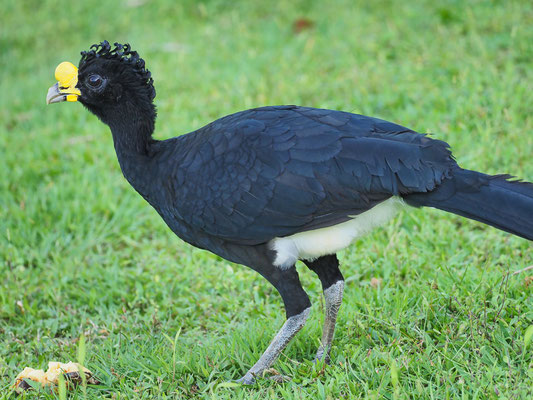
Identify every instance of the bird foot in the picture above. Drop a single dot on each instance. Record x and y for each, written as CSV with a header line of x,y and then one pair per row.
x,y
250,378
276,376
318,361
322,357
247,379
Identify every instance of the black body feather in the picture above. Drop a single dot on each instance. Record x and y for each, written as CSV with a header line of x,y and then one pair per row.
x,y
275,171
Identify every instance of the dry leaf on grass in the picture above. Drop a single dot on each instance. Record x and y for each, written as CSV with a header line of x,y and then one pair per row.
x,y
375,282
70,371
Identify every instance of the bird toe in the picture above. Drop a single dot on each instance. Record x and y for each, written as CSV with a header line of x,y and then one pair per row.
x,y
279,378
247,379
322,357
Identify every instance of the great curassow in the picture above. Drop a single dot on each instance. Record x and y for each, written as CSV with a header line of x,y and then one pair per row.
x,y
269,186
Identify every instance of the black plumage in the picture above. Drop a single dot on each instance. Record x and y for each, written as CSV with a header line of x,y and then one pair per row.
x,y
276,171
237,184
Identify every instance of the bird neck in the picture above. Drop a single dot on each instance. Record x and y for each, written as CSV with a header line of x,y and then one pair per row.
x,y
132,136
132,130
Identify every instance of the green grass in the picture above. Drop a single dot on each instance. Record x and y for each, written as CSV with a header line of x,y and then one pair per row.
x,y
81,254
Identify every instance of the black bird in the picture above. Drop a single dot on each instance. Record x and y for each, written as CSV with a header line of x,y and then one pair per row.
x,y
269,186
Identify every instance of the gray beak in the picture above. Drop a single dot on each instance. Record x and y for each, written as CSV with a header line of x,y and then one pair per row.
x,y
57,94
54,95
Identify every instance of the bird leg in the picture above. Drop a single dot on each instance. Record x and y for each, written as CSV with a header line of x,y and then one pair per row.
x,y
333,298
284,336
327,269
297,308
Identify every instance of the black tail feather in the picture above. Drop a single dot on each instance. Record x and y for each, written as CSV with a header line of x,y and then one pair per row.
x,y
494,200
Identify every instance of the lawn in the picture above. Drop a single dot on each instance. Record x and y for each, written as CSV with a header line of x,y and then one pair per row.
x,y
88,271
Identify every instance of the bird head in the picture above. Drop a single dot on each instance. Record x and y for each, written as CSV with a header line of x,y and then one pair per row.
x,y
109,81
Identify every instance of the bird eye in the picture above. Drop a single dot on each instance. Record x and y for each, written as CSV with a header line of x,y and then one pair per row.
x,y
94,80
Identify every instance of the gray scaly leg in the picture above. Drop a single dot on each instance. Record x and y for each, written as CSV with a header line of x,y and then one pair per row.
x,y
333,298
297,308
284,336
327,269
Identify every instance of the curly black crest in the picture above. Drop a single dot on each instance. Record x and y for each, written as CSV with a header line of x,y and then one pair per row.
x,y
122,53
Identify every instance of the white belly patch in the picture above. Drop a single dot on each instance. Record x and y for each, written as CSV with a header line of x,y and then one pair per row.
x,y
319,242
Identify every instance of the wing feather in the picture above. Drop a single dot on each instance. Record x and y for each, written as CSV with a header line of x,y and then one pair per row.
x,y
276,171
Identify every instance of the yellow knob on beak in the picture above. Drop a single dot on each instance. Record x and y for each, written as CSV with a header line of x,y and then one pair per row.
x,y
65,89
66,74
